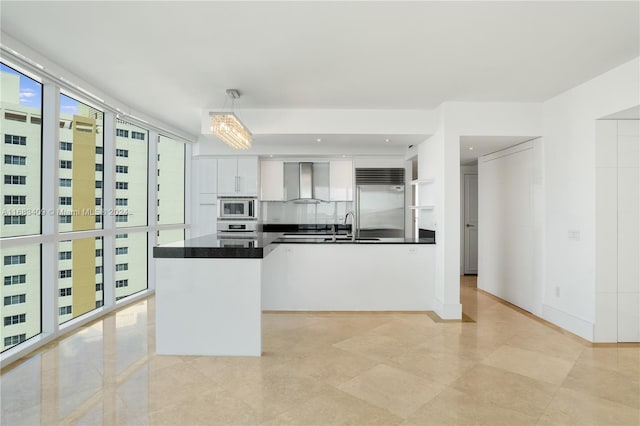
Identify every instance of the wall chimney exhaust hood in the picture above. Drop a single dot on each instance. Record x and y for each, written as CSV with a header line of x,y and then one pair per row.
x,y
306,182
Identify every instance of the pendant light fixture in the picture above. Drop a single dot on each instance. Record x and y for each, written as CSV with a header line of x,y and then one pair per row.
x,y
227,126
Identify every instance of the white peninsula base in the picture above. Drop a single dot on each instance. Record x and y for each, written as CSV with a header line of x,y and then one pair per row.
x,y
208,307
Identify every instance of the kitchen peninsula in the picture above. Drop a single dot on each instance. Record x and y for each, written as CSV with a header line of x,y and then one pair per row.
x,y
210,296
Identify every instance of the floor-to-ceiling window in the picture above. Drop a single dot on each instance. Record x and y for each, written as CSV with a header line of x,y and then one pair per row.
x,y
21,151
85,195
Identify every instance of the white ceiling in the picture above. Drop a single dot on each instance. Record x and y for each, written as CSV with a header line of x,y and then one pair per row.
x,y
171,60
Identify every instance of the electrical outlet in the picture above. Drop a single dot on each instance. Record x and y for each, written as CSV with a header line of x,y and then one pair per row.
x,y
557,291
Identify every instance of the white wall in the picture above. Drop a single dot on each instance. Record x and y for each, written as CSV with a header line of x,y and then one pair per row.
x,y
510,259
570,179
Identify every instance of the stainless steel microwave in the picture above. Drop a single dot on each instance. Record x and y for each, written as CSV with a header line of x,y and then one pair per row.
x,y
237,208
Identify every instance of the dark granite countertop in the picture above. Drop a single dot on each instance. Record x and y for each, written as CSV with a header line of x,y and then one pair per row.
x,y
258,245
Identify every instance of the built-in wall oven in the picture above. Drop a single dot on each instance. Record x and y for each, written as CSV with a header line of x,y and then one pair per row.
x,y
237,233
237,208
236,228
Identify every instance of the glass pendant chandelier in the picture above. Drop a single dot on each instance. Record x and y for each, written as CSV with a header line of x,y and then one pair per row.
x,y
227,126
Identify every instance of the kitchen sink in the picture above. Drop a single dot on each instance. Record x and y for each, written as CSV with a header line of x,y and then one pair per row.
x,y
348,239
293,236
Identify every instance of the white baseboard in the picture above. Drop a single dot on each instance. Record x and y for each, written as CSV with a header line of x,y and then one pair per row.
x,y
575,325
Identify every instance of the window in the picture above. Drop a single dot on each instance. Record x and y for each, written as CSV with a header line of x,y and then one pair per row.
x,y
15,300
122,267
14,340
171,181
122,133
122,169
120,218
137,135
122,152
65,183
15,180
65,201
118,236
15,220
64,218
99,303
64,310
99,287
36,120
87,254
122,185
15,279
98,201
66,146
64,255
17,259
16,153
15,117
122,250
122,201
122,283
15,319
15,199
17,160
15,140
98,218
86,130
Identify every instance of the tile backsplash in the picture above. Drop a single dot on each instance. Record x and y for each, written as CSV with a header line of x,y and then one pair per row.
x,y
302,213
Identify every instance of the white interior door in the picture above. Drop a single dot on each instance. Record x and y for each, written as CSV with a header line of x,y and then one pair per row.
x,y
471,224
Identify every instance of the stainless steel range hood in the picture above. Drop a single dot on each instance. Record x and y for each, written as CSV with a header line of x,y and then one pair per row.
x,y
306,182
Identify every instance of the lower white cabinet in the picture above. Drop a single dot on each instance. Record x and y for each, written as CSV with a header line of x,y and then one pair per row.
x,y
349,277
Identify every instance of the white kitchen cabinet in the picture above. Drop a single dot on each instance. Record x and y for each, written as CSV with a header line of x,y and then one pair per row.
x,y
361,277
238,176
341,180
272,181
207,175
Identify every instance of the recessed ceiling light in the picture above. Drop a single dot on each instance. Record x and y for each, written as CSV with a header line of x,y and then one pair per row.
x,y
270,155
470,148
387,140
319,140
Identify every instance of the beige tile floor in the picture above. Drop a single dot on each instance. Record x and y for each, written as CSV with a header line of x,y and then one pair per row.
x,y
506,368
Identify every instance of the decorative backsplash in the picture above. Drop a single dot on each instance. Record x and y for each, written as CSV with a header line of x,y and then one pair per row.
x,y
301,213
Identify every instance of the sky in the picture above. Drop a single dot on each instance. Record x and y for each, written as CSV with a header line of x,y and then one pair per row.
x,y
31,93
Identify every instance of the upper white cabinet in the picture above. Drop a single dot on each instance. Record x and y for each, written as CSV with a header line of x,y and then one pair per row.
x,y
341,180
272,181
207,175
238,176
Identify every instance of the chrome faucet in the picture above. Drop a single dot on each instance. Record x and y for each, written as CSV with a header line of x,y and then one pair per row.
x,y
353,224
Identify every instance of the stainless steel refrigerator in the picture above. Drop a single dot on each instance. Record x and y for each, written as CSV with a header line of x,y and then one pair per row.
x,y
380,202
